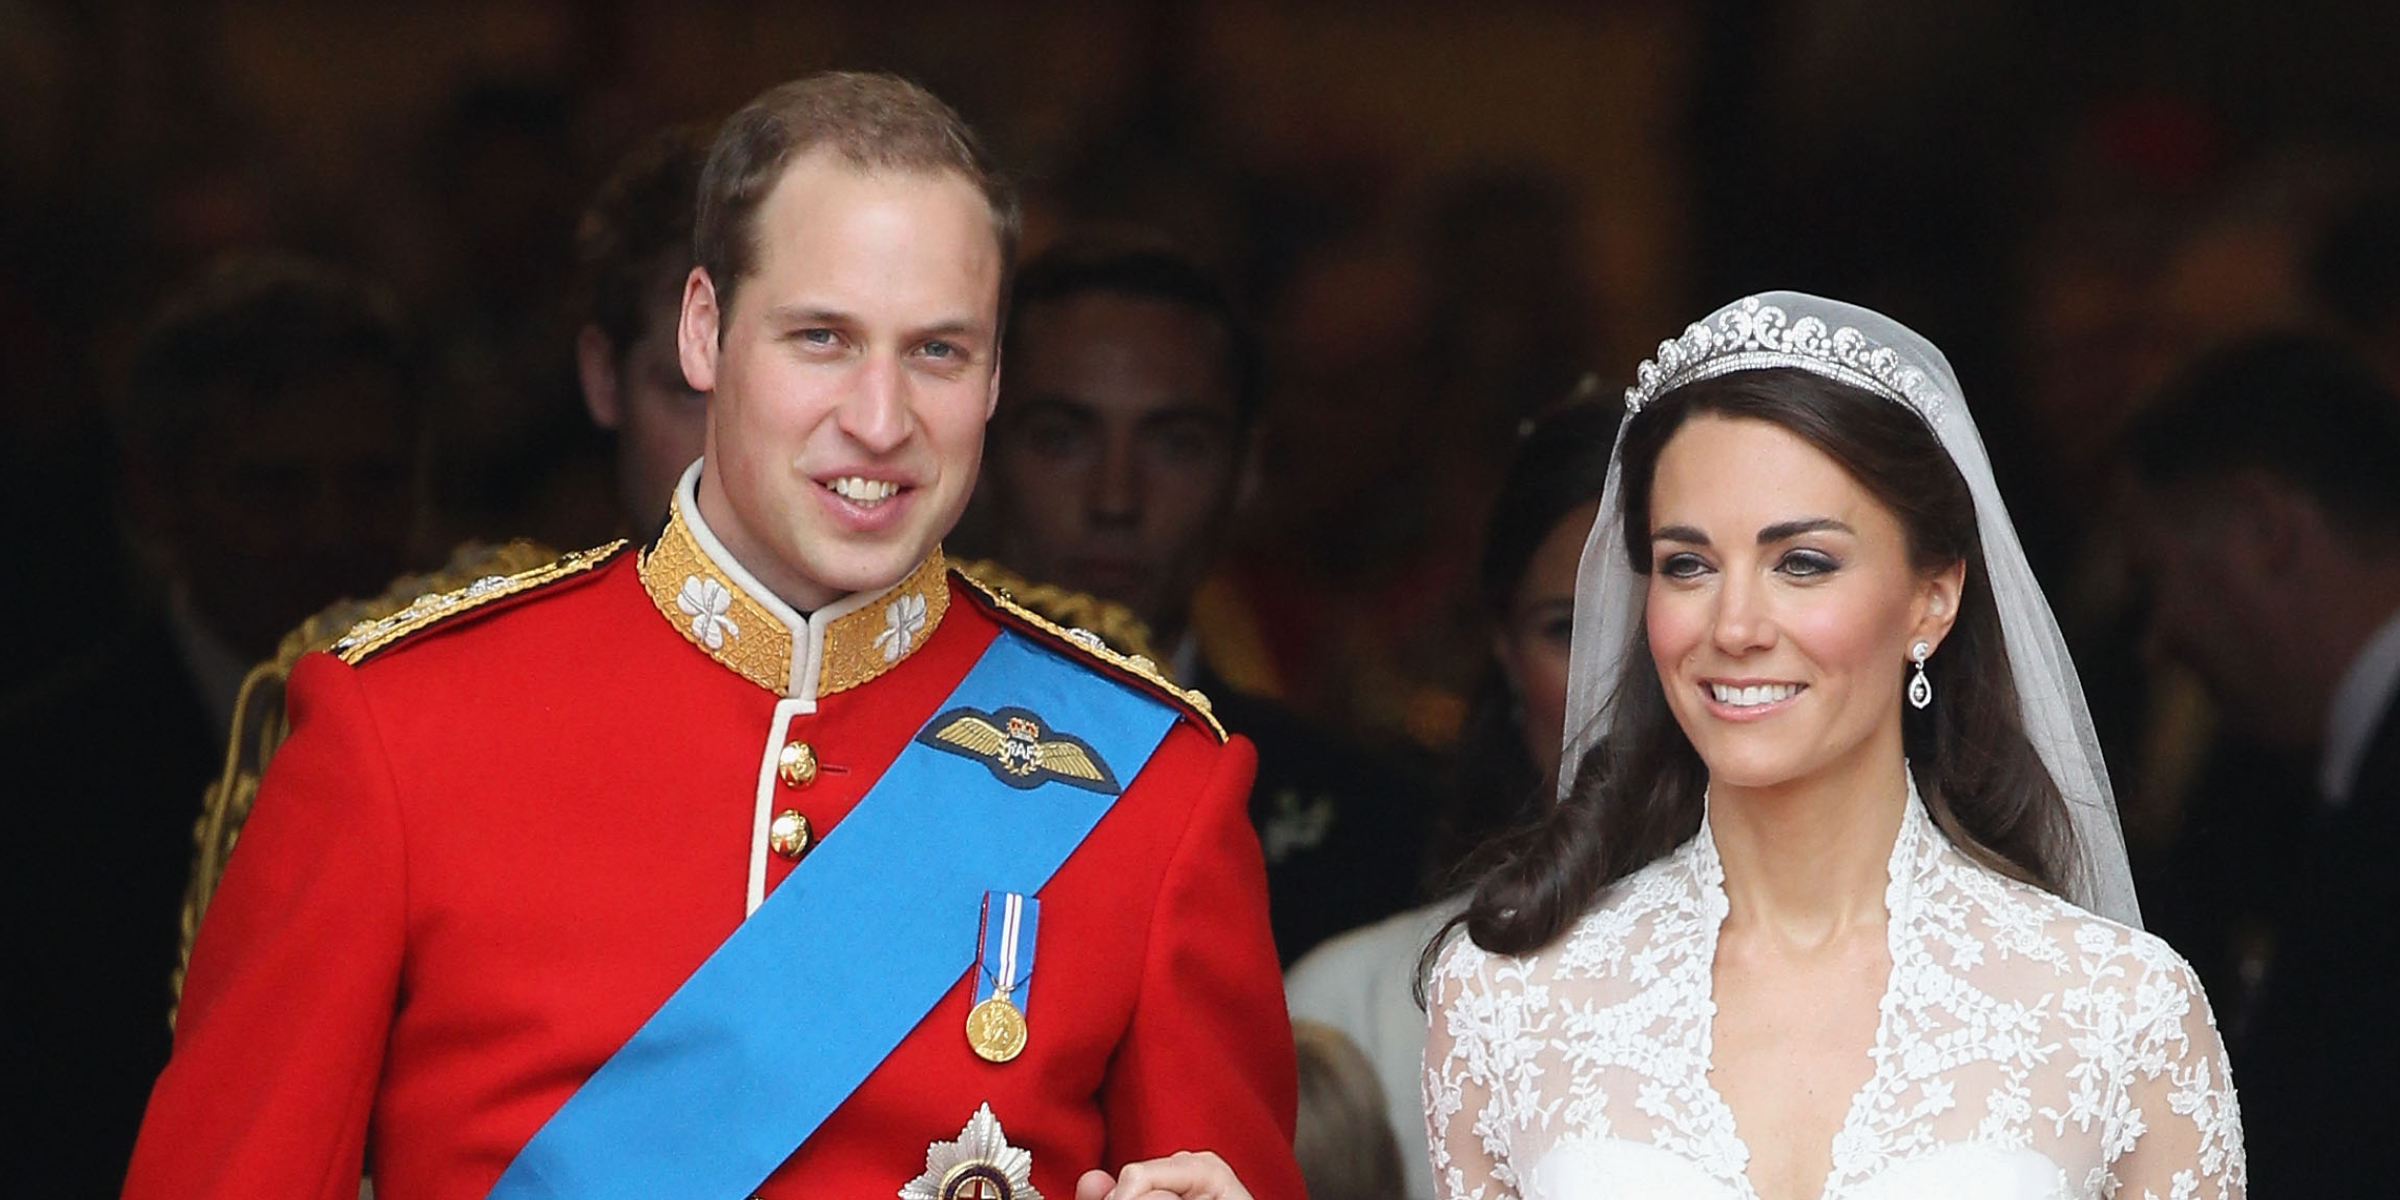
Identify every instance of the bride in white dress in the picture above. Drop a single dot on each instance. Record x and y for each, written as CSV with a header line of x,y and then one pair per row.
x,y
1837,903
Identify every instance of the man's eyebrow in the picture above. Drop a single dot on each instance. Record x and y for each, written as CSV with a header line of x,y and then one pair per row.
x,y
1188,410
797,314
1792,529
955,327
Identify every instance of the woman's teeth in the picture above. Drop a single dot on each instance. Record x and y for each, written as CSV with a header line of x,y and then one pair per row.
x,y
860,490
1754,695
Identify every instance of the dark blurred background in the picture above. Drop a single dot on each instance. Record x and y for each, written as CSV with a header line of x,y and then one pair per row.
x,y
1441,216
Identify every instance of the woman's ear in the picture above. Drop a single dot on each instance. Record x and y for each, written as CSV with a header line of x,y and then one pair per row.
x,y
1937,603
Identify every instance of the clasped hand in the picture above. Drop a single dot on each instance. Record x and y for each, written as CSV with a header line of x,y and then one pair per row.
x,y
1182,1176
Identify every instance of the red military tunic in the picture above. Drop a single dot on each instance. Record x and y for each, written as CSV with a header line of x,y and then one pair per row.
x,y
492,848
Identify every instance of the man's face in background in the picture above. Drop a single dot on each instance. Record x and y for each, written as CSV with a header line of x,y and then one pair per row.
x,y
639,393
1120,451
297,498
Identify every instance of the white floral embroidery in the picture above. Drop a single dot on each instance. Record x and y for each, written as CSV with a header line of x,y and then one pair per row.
x,y
706,601
2024,1048
903,620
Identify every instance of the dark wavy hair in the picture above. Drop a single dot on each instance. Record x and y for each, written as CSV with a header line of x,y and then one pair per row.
x,y
1639,790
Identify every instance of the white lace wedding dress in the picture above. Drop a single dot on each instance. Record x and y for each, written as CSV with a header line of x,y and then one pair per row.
x,y
2025,1050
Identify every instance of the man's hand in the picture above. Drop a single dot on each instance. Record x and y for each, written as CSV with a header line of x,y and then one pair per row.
x,y
1182,1176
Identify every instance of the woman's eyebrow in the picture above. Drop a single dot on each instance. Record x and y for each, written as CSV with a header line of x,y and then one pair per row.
x,y
1792,529
1679,533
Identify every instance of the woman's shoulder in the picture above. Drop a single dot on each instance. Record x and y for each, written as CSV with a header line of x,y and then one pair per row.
x,y
1656,910
2019,922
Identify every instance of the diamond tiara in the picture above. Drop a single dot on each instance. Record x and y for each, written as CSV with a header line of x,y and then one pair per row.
x,y
1753,335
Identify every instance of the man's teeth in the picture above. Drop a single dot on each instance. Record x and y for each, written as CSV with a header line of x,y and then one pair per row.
x,y
1755,694
861,490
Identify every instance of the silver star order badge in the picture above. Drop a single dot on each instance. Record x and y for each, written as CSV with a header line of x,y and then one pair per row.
x,y
980,1165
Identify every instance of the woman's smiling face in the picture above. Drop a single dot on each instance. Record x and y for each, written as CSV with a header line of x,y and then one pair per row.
x,y
1782,605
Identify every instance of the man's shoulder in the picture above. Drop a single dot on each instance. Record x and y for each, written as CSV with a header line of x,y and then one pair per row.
x,y
1091,651
473,608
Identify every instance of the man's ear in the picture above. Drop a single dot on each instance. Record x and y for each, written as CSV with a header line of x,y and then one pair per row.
x,y
1938,603
697,331
596,370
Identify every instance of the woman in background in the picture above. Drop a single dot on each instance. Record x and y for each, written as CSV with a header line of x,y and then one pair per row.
x,y
1363,982
1788,934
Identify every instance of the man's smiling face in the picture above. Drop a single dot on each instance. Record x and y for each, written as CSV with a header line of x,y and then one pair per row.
x,y
852,377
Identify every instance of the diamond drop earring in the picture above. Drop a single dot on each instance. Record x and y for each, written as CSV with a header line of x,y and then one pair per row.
x,y
1920,689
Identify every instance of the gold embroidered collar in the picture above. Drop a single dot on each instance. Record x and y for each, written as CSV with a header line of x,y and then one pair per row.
x,y
721,608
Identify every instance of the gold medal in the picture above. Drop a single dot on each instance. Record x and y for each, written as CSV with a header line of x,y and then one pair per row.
x,y
996,1029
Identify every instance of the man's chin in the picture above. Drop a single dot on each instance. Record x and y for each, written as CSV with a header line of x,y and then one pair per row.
x,y
852,570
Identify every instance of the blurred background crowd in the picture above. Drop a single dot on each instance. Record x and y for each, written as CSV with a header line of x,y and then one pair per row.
x,y
1324,314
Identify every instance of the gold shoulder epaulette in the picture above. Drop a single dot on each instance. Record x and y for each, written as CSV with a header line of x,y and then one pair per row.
x,y
1092,646
367,637
1124,632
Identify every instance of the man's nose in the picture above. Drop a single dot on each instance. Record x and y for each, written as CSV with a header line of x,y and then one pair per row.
x,y
1117,486
879,413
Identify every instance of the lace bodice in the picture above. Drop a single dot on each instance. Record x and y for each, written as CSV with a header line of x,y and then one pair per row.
x,y
2024,1050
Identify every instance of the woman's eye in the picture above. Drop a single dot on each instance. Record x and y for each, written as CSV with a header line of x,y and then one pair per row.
x,y
1804,564
1682,565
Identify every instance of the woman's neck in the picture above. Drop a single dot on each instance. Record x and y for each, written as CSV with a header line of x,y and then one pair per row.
x,y
1807,860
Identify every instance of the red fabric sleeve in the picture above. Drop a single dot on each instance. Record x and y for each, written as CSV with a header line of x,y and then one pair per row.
x,y
294,975
1208,1061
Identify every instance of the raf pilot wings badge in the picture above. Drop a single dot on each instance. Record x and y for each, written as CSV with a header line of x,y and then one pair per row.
x,y
1013,744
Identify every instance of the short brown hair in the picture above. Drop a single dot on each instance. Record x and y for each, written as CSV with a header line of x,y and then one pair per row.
x,y
875,121
639,226
1343,1139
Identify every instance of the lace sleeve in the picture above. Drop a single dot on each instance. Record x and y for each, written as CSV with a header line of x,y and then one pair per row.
x,y
2183,1136
1466,1045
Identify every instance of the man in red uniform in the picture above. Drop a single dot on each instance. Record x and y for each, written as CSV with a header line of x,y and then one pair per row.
x,y
614,877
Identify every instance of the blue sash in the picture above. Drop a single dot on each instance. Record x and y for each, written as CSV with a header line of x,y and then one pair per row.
x,y
845,957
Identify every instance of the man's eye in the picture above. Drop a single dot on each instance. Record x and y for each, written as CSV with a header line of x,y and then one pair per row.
x,y
943,350
1185,442
1055,438
819,338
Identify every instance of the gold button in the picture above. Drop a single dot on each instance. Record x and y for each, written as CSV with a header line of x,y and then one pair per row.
x,y
787,835
797,764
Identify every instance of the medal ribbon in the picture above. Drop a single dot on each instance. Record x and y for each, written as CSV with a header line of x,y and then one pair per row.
x,y
1005,965
856,946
